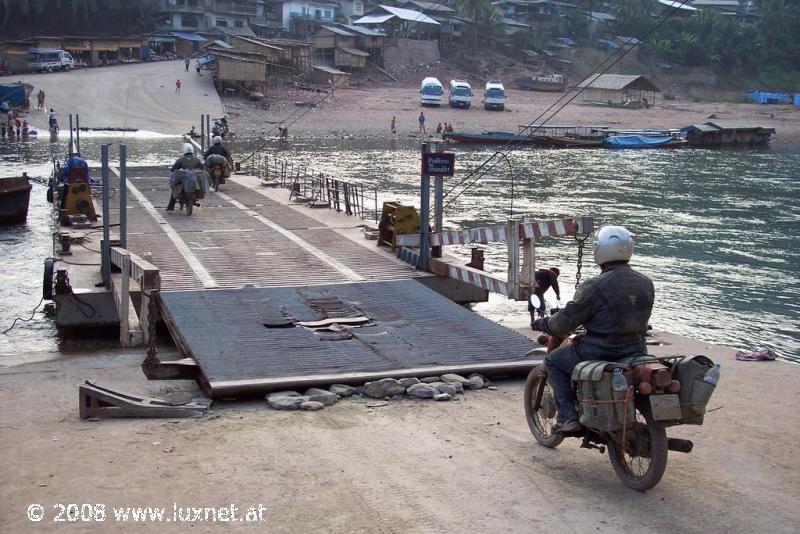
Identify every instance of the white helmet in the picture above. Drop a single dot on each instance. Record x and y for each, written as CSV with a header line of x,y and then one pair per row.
x,y
613,243
187,149
217,140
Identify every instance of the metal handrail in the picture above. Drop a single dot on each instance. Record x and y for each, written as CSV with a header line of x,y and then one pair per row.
x,y
306,183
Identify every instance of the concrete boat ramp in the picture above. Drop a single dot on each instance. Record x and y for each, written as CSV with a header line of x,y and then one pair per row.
x,y
260,294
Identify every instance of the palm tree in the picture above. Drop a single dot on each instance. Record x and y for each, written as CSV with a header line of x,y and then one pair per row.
x,y
482,14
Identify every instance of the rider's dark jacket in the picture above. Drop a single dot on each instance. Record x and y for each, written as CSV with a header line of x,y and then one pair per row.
x,y
615,309
219,150
188,162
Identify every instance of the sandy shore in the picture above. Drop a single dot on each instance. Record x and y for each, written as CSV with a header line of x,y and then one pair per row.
x,y
409,466
367,112
138,96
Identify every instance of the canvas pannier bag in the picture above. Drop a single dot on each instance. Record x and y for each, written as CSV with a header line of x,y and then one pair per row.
x,y
599,406
695,393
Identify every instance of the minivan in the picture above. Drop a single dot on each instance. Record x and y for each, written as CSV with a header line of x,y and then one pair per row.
x,y
460,94
431,92
494,96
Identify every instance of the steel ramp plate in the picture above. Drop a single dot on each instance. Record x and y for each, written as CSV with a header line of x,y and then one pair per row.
x,y
248,341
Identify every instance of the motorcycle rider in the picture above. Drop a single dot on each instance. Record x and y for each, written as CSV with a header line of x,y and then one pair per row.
x,y
217,148
615,309
188,161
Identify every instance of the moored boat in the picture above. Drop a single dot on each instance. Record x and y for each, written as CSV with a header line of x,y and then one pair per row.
x,y
488,138
15,194
552,83
644,141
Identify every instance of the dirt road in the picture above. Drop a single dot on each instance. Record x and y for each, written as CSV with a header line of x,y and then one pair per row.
x,y
138,96
409,466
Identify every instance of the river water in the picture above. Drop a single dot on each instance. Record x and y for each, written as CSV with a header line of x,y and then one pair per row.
x,y
717,231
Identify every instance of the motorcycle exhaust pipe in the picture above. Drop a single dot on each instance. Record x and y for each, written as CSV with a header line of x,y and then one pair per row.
x,y
679,445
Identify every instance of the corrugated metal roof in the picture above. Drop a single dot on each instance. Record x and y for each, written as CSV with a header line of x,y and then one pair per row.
x,y
678,4
354,51
618,82
431,6
337,31
329,70
408,15
187,36
373,19
365,31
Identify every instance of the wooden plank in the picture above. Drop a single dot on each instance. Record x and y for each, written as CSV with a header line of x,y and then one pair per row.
x,y
145,273
469,275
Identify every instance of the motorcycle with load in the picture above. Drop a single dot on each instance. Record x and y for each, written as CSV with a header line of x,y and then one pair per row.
x,y
218,169
625,407
187,187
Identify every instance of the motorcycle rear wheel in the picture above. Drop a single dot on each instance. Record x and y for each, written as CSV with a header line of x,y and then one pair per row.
x,y
643,462
540,408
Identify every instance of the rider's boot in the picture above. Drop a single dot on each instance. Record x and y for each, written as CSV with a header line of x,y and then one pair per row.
x,y
568,427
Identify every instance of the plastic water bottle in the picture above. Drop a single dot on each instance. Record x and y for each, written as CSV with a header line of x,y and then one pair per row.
x,y
618,381
712,375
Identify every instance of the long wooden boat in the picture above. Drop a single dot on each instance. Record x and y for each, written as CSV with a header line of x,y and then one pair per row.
x,y
553,83
488,138
15,193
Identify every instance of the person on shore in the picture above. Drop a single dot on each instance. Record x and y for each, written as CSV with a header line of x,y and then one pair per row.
x,y
186,63
53,120
4,106
394,120
439,128
614,307
40,99
25,129
188,162
197,67
449,128
544,280
177,86
422,122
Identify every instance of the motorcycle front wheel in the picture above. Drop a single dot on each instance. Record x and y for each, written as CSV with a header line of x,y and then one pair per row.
x,y
643,461
540,408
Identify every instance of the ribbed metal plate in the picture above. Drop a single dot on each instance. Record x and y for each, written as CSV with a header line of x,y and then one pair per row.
x,y
242,343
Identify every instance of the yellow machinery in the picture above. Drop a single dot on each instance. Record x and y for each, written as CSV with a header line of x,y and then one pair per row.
x,y
396,219
79,196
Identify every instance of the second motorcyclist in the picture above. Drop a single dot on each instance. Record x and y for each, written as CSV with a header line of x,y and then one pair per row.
x,y
189,162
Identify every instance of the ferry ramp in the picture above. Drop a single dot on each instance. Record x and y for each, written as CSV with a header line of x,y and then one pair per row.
x,y
263,296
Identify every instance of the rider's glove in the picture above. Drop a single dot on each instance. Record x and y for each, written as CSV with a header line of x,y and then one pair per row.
x,y
539,324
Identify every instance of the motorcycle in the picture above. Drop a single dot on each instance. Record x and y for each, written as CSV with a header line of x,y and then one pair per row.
x,y
638,447
218,169
188,187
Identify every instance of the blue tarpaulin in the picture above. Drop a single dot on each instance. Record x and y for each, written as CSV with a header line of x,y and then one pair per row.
x,y
15,93
186,36
797,99
764,97
638,141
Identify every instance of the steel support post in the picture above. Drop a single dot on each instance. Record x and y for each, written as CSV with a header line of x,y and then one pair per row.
x,y
105,263
123,196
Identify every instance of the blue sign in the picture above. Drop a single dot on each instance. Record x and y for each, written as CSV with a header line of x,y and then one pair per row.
x,y
439,164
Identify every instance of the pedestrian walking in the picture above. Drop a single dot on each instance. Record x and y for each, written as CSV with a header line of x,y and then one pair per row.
x,y
422,122
177,86
439,128
394,120
186,62
40,100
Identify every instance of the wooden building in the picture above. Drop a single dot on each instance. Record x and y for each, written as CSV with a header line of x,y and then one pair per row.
x,y
271,54
236,68
351,58
619,90
368,39
331,37
322,75
15,55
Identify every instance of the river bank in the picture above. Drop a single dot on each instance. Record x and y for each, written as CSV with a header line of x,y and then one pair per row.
x,y
409,466
368,112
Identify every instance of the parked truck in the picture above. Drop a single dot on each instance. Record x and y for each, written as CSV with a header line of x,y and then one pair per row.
x,y
49,59
460,94
494,96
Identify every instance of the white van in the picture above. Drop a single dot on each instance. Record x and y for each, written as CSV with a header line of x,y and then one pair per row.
x,y
431,92
460,94
494,96
49,59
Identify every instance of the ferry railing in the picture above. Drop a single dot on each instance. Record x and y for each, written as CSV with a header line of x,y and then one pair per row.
x,y
310,185
148,281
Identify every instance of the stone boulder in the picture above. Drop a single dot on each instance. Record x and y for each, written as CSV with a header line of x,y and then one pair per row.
x,y
421,391
321,395
385,387
451,377
342,390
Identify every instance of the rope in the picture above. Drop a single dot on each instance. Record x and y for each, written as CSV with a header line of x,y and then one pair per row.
x,y
22,320
624,53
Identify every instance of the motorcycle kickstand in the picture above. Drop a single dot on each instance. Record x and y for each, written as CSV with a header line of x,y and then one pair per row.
x,y
586,444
